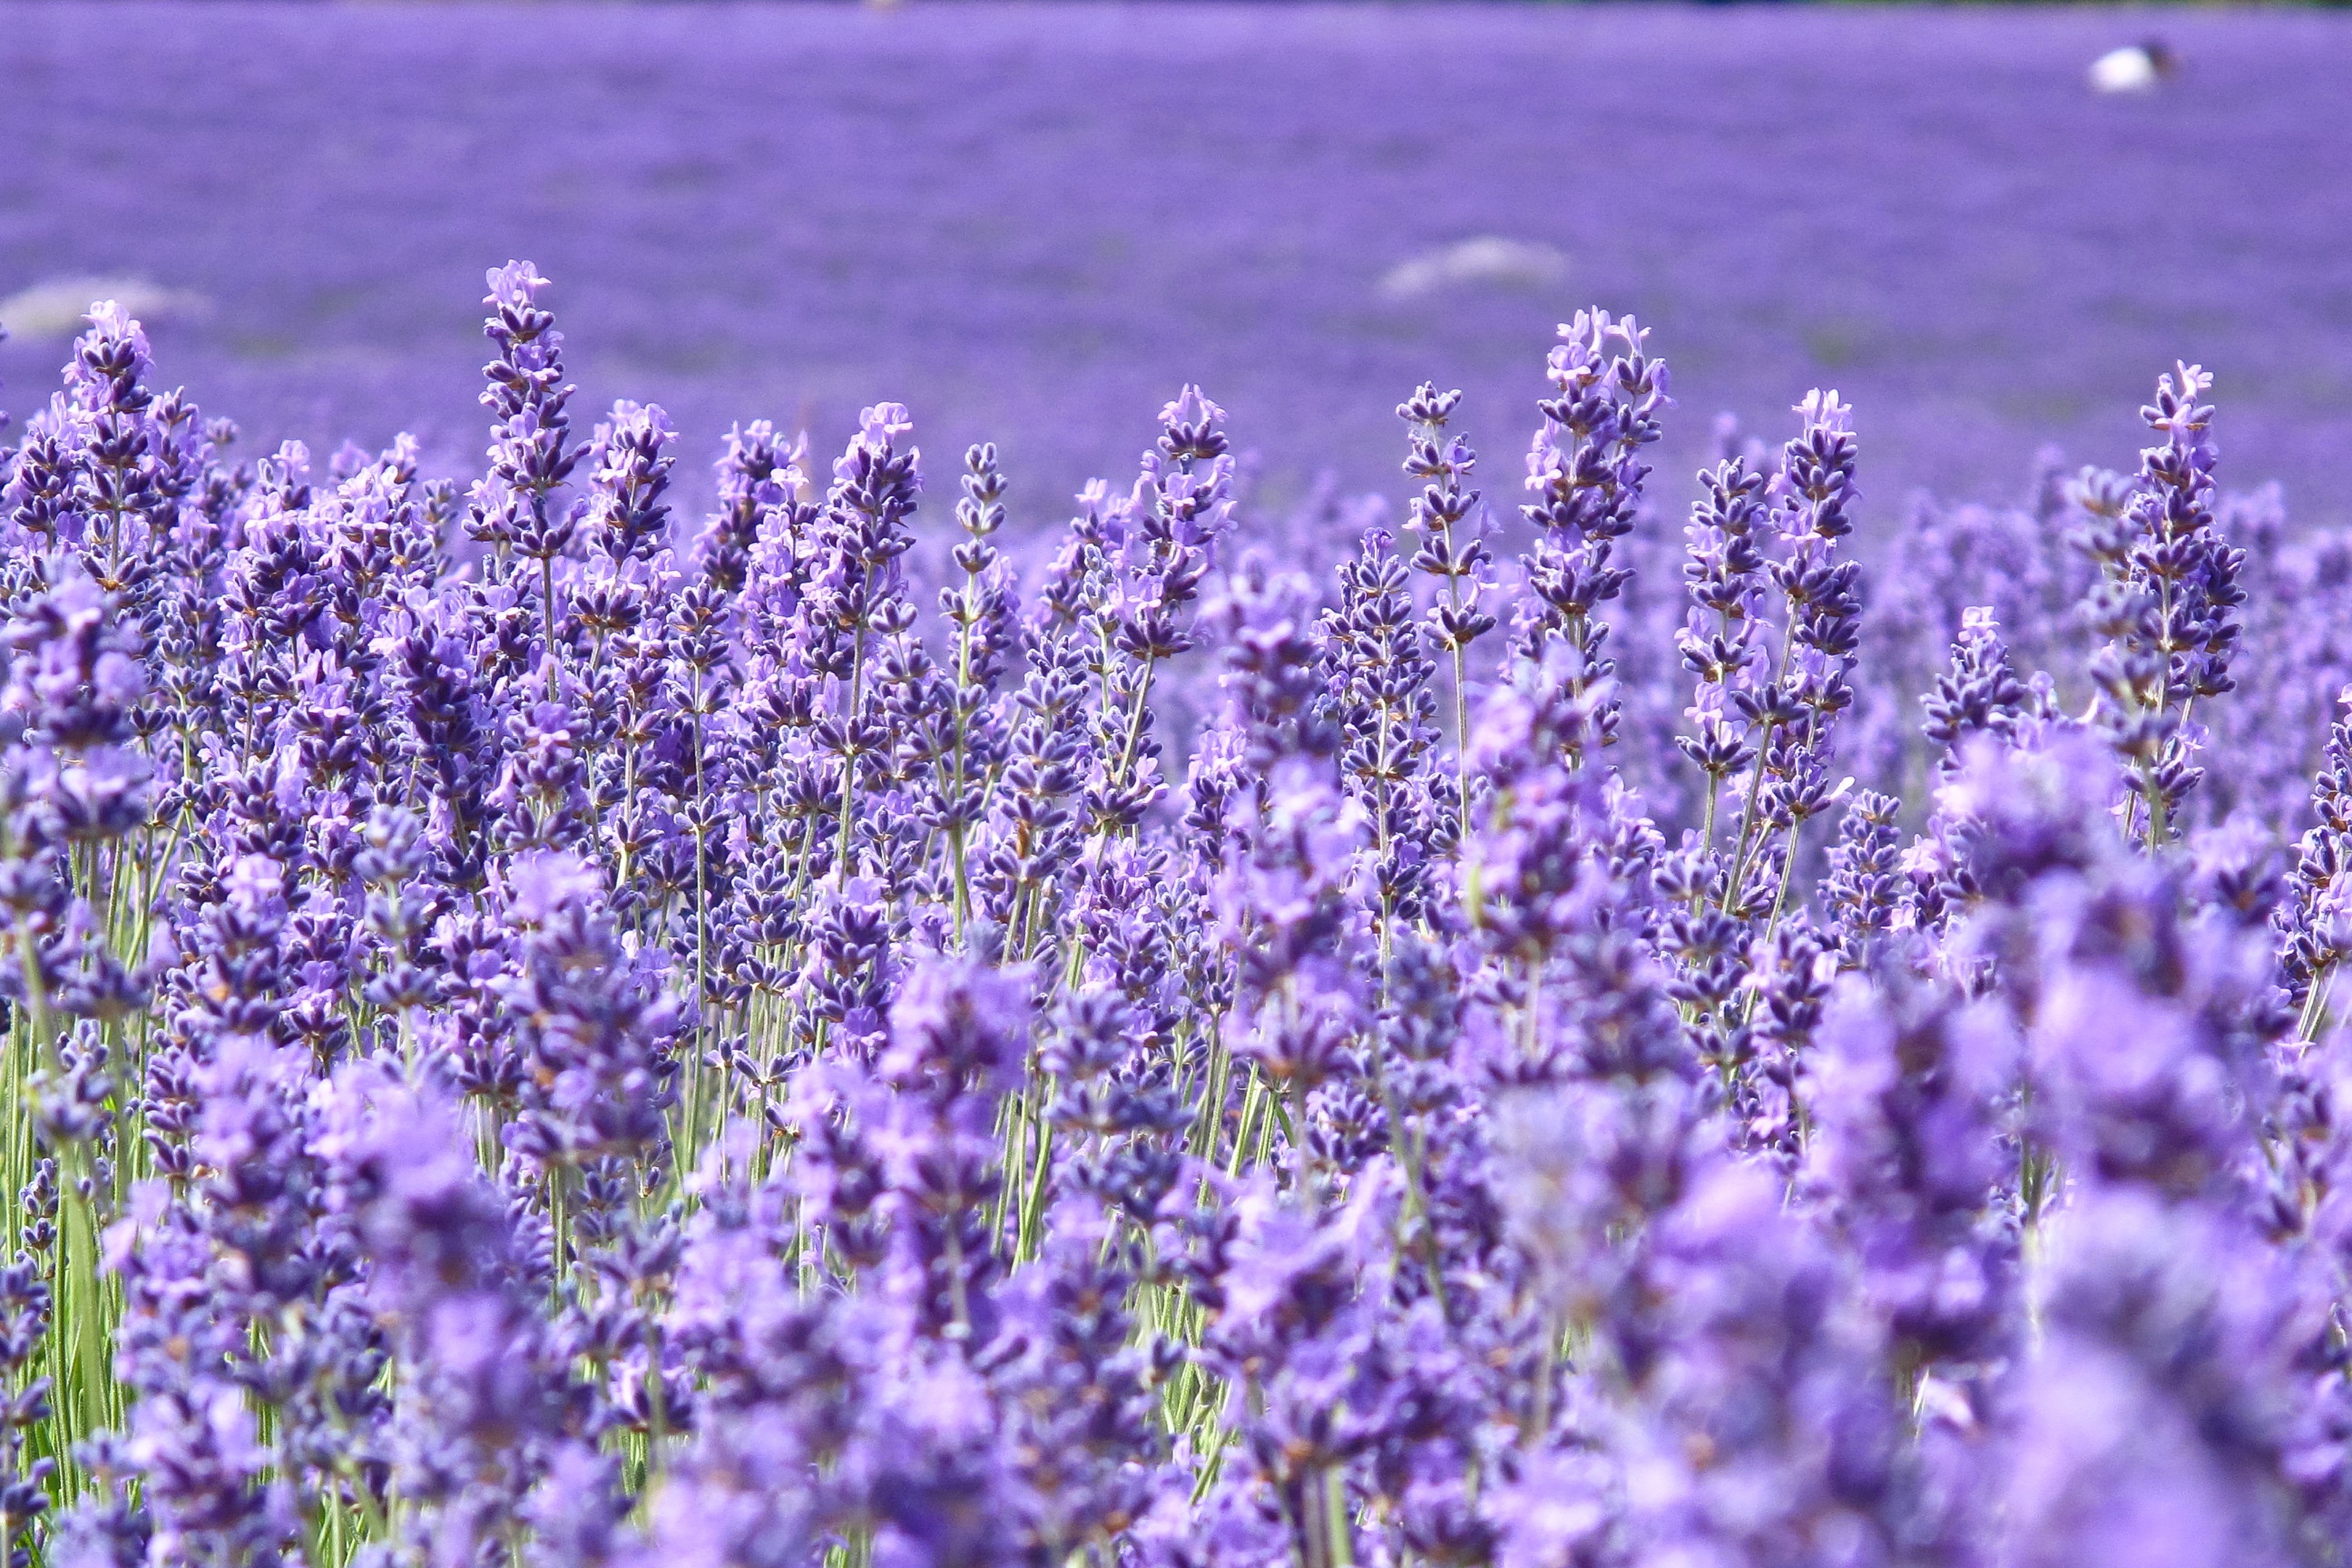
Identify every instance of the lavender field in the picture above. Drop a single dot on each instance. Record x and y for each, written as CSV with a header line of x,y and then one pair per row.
x,y
1031,225
666,960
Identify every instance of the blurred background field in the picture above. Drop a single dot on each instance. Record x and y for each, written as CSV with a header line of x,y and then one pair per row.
x,y
1033,223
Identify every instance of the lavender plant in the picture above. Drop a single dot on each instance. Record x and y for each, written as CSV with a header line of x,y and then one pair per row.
x,y
535,1038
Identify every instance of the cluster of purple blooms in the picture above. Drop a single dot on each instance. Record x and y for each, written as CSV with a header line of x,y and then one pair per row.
x,y
529,1042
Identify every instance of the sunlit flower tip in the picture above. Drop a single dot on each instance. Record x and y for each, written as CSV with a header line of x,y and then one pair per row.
x,y
883,423
516,283
1191,407
1823,410
108,319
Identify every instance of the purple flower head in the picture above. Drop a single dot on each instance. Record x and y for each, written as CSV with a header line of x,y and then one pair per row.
x,y
73,679
517,284
2135,1084
1192,409
629,460
1827,411
1267,618
2165,604
2038,811
956,1022
2151,1419
883,423
1907,1097
255,883
110,360
542,885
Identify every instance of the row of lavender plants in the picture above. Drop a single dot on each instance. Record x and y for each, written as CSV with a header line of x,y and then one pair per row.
x,y
531,1045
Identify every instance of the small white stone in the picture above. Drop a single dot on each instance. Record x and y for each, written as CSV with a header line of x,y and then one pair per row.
x,y
2136,68
1487,260
56,307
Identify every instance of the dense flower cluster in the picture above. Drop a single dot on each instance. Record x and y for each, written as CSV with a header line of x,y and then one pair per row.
x,y
535,1038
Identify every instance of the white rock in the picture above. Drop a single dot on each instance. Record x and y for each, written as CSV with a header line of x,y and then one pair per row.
x,y
1488,261
2136,68
54,308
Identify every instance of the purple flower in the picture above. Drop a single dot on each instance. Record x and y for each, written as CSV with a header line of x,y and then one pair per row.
x,y
595,1053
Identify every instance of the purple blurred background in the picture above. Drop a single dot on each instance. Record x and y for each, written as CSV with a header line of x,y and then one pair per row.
x,y
1032,223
